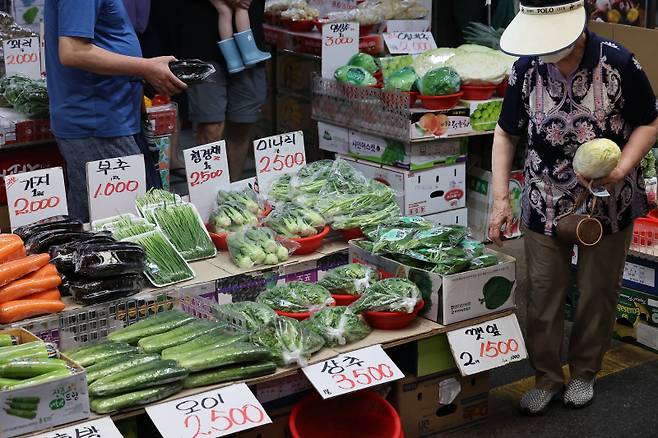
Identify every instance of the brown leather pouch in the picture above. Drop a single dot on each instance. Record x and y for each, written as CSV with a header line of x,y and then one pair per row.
x,y
578,228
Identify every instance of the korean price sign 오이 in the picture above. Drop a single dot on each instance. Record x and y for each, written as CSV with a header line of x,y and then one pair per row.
x,y
340,41
207,171
278,155
36,195
353,371
409,42
216,413
488,345
101,428
113,184
23,57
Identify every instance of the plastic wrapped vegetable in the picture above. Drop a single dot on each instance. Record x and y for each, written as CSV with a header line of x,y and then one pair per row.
x,y
89,291
472,247
392,64
365,61
432,59
99,260
296,297
476,68
155,197
246,198
439,82
256,246
483,261
371,205
351,279
289,341
337,325
291,220
439,235
596,158
255,315
352,75
402,80
394,241
164,265
391,294
402,222
280,189
229,217
306,185
183,226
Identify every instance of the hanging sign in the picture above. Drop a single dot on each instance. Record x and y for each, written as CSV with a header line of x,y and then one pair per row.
x,y
207,172
340,41
22,57
409,42
278,155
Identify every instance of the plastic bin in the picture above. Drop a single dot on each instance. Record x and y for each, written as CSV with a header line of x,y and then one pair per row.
x,y
645,231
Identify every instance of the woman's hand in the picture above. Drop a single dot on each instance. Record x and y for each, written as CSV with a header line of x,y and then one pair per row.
x,y
609,182
500,221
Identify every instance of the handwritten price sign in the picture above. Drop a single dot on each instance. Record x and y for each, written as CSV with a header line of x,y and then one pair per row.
x,y
23,57
101,428
340,41
349,372
207,172
488,345
211,414
278,155
36,195
409,42
113,184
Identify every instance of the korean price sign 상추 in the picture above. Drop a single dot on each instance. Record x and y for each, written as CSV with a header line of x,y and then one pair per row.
x,y
353,371
36,195
340,41
409,42
113,184
278,155
207,172
488,345
215,413
23,57
101,428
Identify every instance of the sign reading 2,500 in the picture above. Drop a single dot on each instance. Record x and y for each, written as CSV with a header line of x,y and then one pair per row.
x,y
25,206
280,162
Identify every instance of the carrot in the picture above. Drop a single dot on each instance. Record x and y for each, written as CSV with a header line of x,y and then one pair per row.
x,y
18,254
9,236
28,285
9,246
18,310
10,271
47,271
52,294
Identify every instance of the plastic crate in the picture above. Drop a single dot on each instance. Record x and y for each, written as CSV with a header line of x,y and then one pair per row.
x,y
645,232
163,118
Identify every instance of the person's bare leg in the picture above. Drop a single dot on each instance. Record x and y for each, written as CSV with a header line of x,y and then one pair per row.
x,y
242,20
225,21
209,132
238,144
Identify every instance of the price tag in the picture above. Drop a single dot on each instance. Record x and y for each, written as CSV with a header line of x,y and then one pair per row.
x,y
488,345
113,184
409,42
101,428
353,371
340,41
216,413
207,171
36,195
23,57
278,155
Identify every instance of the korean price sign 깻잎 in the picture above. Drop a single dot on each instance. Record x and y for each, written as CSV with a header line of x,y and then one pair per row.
x,y
353,371
409,42
113,184
36,195
101,428
488,345
278,155
215,413
340,41
207,171
23,57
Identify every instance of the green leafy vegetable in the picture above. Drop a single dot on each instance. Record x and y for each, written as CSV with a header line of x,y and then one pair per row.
x,y
351,279
365,61
292,220
439,82
182,225
337,325
296,296
256,315
289,341
391,294
402,80
256,246
164,265
357,76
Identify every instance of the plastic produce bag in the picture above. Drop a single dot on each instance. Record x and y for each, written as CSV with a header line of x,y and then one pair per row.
x,y
402,222
258,246
337,325
402,80
101,260
192,71
289,341
439,82
255,315
439,235
432,59
479,68
365,61
352,75
89,291
351,279
294,221
394,240
183,226
63,256
483,261
391,294
296,297
164,265
393,64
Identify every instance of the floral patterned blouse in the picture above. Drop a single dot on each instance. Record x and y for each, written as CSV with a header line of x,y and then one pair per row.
x,y
608,96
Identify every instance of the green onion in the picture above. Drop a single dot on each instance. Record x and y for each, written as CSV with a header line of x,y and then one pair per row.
x,y
182,226
155,196
163,264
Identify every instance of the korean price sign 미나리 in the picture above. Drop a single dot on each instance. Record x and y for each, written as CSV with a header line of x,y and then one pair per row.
x,y
113,184
36,195
101,428
278,155
488,345
207,172
409,42
215,413
23,57
353,371
340,41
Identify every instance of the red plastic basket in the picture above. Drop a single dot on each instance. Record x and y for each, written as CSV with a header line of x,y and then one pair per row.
x,y
299,316
478,92
501,88
437,103
392,320
310,244
344,299
645,231
363,414
352,233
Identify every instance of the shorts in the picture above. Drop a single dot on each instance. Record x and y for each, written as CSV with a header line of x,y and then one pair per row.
x,y
237,98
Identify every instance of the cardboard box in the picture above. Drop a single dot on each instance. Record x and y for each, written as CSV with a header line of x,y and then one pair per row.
x,y
333,138
60,401
424,357
418,401
453,298
427,124
452,217
479,199
484,114
421,192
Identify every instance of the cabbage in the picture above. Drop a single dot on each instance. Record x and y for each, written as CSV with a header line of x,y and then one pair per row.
x,y
479,68
509,59
475,48
365,61
439,82
352,75
391,64
401,80
596,158
432,59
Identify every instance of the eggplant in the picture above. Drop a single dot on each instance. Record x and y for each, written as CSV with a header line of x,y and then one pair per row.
x,y
99,260
42,241
53,223
89,291
63,255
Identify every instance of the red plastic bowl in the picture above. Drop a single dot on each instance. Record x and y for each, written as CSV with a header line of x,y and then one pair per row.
x,y
299,25
299,316
219,240
312,243
501,88
392,320
363,414
344,299
267,209
367,29
436,103
478,92
352,233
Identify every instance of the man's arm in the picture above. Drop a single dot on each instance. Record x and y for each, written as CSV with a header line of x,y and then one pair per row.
x,y
82,54
502,156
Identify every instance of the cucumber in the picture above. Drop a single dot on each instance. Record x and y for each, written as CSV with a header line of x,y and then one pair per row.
x,y
177,336
7,340
7,382
228,374
116,367
53,375
102,364
104,405
87,348
105,351
158,323
25,399
23,406
213,357
31,349
217,339
29,415
158,372
28,368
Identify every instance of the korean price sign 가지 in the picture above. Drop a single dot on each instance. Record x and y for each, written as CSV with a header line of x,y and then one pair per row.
x,y
36,195
409,42
113,184
353,371
488,345
207,172
101,428
23,57
278,155
340,41
215,413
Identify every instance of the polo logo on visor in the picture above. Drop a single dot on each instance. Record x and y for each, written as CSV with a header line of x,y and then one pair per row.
x,y
549,10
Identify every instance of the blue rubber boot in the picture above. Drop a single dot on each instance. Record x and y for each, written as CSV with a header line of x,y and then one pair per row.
x,y
231,55
251,55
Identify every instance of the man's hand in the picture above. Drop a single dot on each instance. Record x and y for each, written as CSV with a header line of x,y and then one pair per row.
x,y
501,219
158,74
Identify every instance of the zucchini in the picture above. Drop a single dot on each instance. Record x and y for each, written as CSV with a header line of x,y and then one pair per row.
x,y
213,357
25,399
29,415
126,363
7,340
229,374
53,375
22,405
154,373
28,368
152,325
105,351
177,336
104,405
217,339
